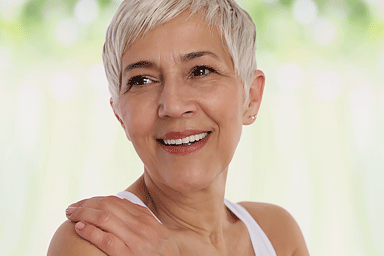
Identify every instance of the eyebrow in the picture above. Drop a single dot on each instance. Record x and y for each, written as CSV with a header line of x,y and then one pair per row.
x,y
139,64
184,58
194,55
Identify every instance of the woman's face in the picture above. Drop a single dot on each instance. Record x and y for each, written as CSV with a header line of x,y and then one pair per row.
x,y
179,86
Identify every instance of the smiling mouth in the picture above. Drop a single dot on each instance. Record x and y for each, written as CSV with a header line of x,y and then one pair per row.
x,y
187,141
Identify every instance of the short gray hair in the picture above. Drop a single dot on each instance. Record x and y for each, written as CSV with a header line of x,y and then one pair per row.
x,y
137,17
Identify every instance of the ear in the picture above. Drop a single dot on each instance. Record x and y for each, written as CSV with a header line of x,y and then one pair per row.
x,y
252,105
118,117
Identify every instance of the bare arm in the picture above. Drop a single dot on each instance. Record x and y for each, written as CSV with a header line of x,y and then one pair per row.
x,y
66,242
280,227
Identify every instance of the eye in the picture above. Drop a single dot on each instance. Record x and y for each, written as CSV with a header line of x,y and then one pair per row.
x,y
139,81
201,71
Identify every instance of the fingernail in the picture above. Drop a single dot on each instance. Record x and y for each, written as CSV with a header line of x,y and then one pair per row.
x,y
79,225
70,210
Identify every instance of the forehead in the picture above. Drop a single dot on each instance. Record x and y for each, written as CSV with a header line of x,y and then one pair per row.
x,y
176,38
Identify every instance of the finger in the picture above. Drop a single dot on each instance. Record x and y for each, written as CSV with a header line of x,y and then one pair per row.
x,y
117,206
145,226
109,222
106,221
87,202
91,215
107,242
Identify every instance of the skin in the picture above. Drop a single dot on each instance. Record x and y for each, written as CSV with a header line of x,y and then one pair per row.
x,y
177,92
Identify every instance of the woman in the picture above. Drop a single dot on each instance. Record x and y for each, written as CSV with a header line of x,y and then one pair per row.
x,y
183,80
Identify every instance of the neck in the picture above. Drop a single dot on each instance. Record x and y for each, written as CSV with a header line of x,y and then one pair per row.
x,y
203,211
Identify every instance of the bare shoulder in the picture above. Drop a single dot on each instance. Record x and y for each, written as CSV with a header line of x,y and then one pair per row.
x,y
280,227
67,242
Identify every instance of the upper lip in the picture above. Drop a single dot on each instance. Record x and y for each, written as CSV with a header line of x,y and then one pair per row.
x,y
180,135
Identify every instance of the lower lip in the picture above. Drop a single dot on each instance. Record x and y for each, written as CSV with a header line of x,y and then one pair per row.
x,y
187,149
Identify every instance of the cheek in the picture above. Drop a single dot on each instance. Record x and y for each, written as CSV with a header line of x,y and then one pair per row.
x,y
225,109
226,105
138,118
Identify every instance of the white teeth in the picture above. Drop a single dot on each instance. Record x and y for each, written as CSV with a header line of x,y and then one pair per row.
x,y
186,140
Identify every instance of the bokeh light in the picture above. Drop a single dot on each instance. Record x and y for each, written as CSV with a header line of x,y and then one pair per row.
x,y
325,32
362,104
328,86
380,65
67,32
86,11
377,8
6,63
290,77
10,10
269,1
305,11
97,79
63,86
29,109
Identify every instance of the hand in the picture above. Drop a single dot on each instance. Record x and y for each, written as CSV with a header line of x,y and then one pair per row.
x,y
121,228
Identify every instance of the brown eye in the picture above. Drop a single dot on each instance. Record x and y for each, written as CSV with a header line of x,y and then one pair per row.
x,y
139,81
201,71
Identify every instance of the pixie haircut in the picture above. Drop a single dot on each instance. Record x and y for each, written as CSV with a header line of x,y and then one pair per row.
x,y
135,18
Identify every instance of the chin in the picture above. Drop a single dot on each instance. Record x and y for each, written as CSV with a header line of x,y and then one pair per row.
x,y
193,179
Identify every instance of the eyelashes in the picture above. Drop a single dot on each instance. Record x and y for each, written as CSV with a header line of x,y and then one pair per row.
x,y
201,71
144,80
140,81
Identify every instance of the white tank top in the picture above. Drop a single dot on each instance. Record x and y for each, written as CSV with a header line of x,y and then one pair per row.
x,y
261,244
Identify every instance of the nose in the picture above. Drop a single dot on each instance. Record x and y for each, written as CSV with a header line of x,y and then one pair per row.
x,y
176,100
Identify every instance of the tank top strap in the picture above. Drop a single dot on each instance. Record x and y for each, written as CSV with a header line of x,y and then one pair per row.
x,y
134,199
261,244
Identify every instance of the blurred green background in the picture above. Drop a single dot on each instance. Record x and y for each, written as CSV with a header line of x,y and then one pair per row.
x,y
317,148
